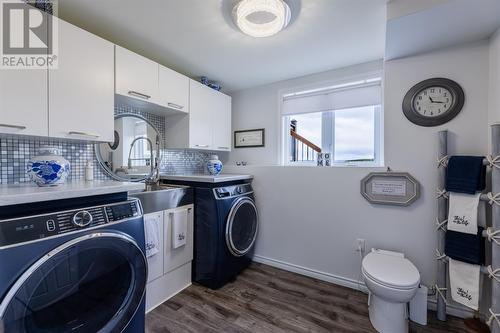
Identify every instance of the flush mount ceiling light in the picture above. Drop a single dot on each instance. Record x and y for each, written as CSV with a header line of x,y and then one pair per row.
x,y
261,18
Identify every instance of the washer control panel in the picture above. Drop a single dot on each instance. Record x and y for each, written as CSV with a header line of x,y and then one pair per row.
x,y
25,229
232,191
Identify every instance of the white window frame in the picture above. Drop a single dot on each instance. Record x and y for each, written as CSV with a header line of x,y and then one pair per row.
x,y
379,123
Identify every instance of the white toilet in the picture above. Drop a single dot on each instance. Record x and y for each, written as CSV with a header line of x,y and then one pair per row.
x,y
392,281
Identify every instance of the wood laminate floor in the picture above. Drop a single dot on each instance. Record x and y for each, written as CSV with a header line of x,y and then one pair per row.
x,y
266,299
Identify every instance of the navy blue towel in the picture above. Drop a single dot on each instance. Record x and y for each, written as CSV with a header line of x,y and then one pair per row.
x,y
465,247
466,174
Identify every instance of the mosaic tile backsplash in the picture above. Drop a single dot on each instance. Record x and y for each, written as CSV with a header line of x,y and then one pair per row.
x,y
16,151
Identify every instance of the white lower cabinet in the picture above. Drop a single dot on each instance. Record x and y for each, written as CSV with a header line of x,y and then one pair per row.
x,y
155,263
169,271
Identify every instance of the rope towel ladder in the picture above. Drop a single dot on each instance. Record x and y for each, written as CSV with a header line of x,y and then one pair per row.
x,y
440,256
493,198
494,274
441,225
439,293
442,194
490,161
443,161
493,235
493,162
493,316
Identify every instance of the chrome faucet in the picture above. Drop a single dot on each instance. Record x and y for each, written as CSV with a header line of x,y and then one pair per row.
x,y
154,176
129,164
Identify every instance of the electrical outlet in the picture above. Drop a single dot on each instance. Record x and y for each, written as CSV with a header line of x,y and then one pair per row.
x,y
361,245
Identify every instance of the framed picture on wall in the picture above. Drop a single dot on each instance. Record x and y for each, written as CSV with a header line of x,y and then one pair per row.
x,y
249,138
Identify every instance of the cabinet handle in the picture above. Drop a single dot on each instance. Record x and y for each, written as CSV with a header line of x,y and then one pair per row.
x,y
223,147
201,146
84,134
138,94
13,126
175,106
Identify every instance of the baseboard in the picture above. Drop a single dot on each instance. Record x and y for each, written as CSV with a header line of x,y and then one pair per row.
x,y
451,309
169,297
328,277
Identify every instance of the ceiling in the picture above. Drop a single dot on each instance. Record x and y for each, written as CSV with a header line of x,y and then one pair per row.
x,y
449,23
197,37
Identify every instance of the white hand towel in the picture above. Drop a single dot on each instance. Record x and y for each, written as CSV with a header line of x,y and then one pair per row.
x,y
152,231
464,283
462,214
179,228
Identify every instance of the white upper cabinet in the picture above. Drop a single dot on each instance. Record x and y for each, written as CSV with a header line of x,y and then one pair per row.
x,y
136,76
81,94
221,126
208,124
202,103
23,101
173,90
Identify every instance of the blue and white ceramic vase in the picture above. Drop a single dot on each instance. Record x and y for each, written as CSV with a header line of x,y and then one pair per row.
x,y
48,167
214,165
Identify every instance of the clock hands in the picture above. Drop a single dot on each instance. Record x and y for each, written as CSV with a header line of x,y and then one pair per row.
x,y
435,102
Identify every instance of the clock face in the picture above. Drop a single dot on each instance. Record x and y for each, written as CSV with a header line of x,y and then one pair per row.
x,y
433,101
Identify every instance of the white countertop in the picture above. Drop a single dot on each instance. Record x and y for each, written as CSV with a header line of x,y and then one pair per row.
x,y
227,177
30,192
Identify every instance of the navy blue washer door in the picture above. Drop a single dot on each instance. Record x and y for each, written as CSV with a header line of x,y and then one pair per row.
x,y
94,283
242,226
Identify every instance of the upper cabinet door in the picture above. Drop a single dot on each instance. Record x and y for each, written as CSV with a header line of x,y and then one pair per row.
x,y
174,90
23,101
81,94
201,108
136,76
222,122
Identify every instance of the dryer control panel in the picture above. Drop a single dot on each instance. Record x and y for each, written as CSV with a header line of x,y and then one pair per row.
x,y
37,227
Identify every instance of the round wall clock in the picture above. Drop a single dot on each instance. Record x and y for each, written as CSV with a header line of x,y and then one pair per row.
x,y
433,102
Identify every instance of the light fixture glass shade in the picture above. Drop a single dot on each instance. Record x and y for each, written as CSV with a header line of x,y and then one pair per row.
x,y
261,18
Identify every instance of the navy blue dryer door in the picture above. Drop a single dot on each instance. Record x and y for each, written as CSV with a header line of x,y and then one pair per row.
x,y
93,283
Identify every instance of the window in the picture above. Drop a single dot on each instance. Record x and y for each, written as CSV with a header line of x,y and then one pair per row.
x,y
341,120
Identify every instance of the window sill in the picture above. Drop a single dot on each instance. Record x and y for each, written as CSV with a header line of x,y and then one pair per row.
x,y
337,165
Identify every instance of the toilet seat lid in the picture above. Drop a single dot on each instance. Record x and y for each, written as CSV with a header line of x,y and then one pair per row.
x,y
390,270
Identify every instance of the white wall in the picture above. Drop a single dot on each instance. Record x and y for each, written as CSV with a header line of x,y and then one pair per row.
x,y
311,217
494,92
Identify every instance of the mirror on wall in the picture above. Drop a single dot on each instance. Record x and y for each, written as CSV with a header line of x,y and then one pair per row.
x,y
135,153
